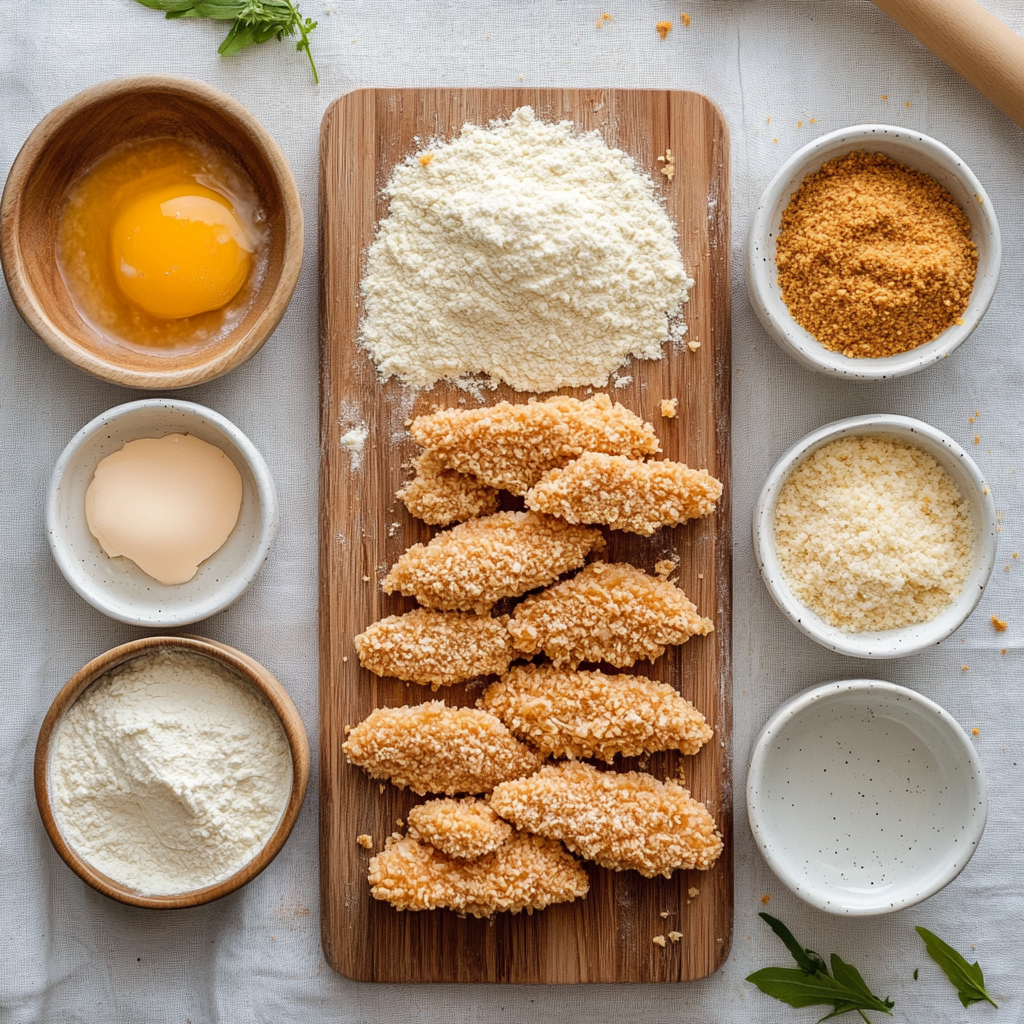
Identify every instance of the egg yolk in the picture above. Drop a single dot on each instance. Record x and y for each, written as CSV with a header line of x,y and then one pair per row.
x,y
179,251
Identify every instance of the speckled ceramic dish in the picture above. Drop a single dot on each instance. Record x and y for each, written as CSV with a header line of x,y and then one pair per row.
x,y
865,797
914,150
892,643
117,586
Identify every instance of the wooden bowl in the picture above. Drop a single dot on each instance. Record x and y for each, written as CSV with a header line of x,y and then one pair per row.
x,y
73,137
250,671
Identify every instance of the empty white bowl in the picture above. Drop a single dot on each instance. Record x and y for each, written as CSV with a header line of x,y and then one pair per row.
x,y
865,797
917,151
117,586
892,643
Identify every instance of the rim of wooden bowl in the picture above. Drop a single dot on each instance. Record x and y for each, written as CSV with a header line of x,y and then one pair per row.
x,y
14,260
252,672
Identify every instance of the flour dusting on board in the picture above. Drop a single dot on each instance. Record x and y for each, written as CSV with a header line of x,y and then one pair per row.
x,y
525,251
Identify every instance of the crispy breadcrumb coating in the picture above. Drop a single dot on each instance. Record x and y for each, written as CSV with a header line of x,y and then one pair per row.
x,y
436,648
511,446
464,828
525,873
608,612
625,494
474,565
442,496
621,821
432,748
591,714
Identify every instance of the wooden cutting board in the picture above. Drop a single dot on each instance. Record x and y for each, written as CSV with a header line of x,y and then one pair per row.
x,y
608,936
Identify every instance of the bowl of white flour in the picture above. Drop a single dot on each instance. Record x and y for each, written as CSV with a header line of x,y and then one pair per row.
x,y
169,771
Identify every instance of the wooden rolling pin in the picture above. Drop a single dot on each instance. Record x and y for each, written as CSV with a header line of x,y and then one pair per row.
x,y
973,42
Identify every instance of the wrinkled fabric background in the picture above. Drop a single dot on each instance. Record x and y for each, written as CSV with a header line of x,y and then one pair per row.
x,y
68,954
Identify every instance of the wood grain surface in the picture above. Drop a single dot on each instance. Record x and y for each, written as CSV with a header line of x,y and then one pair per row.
x,y
606,937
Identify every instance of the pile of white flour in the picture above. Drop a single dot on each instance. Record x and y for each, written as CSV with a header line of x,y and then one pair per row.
x,y
525,251
169,773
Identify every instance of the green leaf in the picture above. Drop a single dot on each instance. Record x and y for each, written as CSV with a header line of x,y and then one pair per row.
x,y
966,978
806,959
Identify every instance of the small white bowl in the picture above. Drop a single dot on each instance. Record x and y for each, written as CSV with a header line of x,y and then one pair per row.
x,y
865,797
917,151
117,586
891,643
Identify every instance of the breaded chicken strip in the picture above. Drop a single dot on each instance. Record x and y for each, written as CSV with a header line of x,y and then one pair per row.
x,y
511,446
442,496
621,821
463,828
625,494
613,613
525,873
590,714
436,648
474,565
432,748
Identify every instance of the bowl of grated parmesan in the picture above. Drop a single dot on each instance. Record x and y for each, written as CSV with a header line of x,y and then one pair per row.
x,y
170,771
876,535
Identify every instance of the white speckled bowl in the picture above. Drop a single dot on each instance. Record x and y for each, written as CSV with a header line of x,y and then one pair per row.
x,y
865,797
117,586
892,643
917,151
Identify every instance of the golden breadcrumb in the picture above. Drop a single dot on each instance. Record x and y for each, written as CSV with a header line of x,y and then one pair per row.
x,y
512,446
665,568
442,496
621,821
669,408
474,565
460,828
608,612
659,940
365,841
525,873
625,494
591,714
432,748
436,648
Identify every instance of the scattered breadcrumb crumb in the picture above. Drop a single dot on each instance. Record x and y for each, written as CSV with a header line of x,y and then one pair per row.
x,y
603,19
765,898
694,345
441,496
434,648
663,28
365,841
622,821
669,161
1004,650
883,96
664,913
525,873
966,668
425,158
1000,626
608,612
692,892
511,447
685,19
625,494
665,567
464,828
975,732
669,408
432,748
590,714
675,936
475,564
977,438
659,940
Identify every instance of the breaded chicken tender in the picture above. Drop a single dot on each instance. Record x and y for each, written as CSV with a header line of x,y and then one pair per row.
x,y
512,446
432,748
442,496
525,873
464,828
621,821
625,494
436,648
591,714
608,612
474,565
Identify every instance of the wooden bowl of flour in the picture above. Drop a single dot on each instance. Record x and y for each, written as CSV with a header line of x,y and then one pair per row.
x,y
250,675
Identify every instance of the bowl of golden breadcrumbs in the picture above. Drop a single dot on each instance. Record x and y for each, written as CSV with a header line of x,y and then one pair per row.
x,y
873,253
876,535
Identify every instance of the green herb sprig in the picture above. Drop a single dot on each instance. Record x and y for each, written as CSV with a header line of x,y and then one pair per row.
x,y
966,978
810,984
253,21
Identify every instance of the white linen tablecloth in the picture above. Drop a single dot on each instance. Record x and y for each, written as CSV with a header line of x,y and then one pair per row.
x,y
68,954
